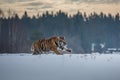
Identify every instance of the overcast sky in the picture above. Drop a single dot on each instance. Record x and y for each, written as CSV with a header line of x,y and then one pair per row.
x,y
70,6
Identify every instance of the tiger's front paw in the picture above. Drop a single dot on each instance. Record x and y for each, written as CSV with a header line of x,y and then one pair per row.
x,y
68,50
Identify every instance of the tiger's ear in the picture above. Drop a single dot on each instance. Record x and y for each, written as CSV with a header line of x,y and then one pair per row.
x,y
62,37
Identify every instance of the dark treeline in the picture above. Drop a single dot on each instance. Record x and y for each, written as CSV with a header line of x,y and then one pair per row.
x,y
17,34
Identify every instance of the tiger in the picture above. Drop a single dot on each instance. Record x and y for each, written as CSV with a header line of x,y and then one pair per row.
x,y
55,44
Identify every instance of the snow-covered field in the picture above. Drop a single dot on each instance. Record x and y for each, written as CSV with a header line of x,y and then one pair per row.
x,y
60,67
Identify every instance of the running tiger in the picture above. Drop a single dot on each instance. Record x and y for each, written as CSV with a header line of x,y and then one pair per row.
x,y
55,44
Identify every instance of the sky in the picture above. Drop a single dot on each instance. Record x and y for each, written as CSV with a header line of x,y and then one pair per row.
x,y
69,6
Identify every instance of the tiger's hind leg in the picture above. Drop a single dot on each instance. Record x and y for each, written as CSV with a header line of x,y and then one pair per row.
x,y
35,52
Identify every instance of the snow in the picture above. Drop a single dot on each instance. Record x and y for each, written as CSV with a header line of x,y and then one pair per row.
x,y
60,67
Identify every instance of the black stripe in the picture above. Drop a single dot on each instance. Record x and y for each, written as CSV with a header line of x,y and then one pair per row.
x,y
57,44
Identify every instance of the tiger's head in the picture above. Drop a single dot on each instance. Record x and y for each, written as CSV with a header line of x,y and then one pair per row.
x,y
62,43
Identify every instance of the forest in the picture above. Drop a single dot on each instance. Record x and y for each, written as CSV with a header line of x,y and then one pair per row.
x,y
80,30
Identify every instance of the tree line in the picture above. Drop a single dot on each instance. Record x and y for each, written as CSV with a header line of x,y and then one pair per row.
x,y
80,30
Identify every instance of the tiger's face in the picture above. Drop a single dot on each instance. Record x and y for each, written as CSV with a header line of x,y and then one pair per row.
x,y
62,40
62,43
